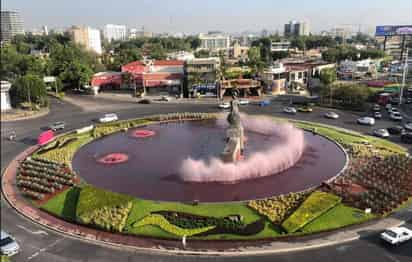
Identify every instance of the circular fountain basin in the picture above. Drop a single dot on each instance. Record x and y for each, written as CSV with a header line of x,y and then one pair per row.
x,y
152,169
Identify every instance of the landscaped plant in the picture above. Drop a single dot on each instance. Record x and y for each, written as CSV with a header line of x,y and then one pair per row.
x,y
315,205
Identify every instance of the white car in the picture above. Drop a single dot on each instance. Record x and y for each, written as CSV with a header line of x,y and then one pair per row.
x,y
370,121
8,245
331,115
408,126
396,116
108,118
377,115
289,110
381,132
243,102
397,235
225,105
388,107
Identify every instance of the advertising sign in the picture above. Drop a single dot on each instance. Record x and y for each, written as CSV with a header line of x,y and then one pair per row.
x,y
391,30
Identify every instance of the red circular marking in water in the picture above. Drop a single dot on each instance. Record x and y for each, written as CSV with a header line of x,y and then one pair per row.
x,y
143,133
113,158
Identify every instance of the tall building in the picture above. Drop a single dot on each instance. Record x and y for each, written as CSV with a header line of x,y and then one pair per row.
x,y
294,28
114,32
214,41
136,33
11,25
87,37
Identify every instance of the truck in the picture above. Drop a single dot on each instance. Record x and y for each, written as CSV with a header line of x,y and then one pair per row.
x,y
396,235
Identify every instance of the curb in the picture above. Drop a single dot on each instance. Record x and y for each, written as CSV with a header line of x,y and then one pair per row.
x,y
175,251
46,112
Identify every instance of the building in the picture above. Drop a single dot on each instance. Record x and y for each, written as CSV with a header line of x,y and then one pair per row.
x,y
214,41
274,79
87,37
181,55
294,28
202,74
114,32
394,39
11,25
349,69
280,46
136,33
239,52
5,96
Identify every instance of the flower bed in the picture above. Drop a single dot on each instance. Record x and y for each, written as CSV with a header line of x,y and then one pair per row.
x,y
315,205
113,158
142,133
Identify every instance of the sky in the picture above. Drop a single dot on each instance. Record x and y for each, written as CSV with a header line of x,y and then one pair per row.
x,y
194,16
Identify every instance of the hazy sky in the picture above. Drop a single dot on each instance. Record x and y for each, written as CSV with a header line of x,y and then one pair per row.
x,y
200,16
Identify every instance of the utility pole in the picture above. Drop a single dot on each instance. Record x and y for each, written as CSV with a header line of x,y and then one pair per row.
x,y
405,72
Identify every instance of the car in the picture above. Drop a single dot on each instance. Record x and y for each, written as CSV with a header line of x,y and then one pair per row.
x,y
388,106
289,110
408,100
108,118
305,109
57,126
366,121
395,130
165,98
396,235
225,105
376,107
377,115
264,103
331,115
396,116
243,102
8,245
408,126
381,132
406,137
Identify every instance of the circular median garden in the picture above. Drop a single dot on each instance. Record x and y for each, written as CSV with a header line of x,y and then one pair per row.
x,y
377,175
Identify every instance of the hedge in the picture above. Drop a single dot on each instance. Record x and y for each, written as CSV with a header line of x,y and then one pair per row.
x,y
160,221
315,205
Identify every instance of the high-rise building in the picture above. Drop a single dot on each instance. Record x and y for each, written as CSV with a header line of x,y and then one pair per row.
x,y
87,37
114,32
294,28
214,41
11,25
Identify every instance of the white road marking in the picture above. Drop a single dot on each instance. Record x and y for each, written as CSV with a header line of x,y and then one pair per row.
x,y
44,249
38,232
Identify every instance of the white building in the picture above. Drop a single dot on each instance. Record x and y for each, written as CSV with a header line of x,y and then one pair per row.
x,y
214,41
181,55
5,96
114,32
11,24
87,37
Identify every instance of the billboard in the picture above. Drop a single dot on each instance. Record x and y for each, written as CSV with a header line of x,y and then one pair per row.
x,y
391,30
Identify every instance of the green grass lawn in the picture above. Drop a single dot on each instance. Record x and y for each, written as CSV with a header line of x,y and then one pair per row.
x,y
339,216
64,204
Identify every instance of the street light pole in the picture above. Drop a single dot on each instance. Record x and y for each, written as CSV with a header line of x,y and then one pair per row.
x,y
405,72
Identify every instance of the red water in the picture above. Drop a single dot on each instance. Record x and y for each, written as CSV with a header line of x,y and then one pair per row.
x,y
152,171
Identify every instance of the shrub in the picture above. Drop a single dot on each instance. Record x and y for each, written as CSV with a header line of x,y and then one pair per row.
x,y
314,206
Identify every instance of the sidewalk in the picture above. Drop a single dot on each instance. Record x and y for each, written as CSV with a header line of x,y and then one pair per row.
x,y
18,114
194,247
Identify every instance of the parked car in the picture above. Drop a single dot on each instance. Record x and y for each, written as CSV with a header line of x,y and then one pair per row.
x,y
366,121
108,118
243,102
377,115
376,107
57,126
381,132
397,235
395,130
408,100
331,115
305,109
225,105
408,126
8,245
289,110
406,137
396,116
388,106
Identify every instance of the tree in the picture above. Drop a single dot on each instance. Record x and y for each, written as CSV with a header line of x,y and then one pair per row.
x,y
223,65
327,77
29,88
255,61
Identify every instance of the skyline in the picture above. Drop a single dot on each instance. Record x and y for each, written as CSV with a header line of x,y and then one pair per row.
x,y
229,16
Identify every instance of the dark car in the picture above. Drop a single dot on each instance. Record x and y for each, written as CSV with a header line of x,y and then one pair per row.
x,y
395,130
406,138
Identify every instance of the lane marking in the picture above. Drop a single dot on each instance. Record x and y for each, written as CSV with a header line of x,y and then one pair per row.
x,y
38,232
44,249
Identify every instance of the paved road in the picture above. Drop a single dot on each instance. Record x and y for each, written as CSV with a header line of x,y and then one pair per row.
x,y
39,244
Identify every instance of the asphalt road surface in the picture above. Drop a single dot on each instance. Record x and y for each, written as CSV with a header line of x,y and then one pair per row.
x,y
40,244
